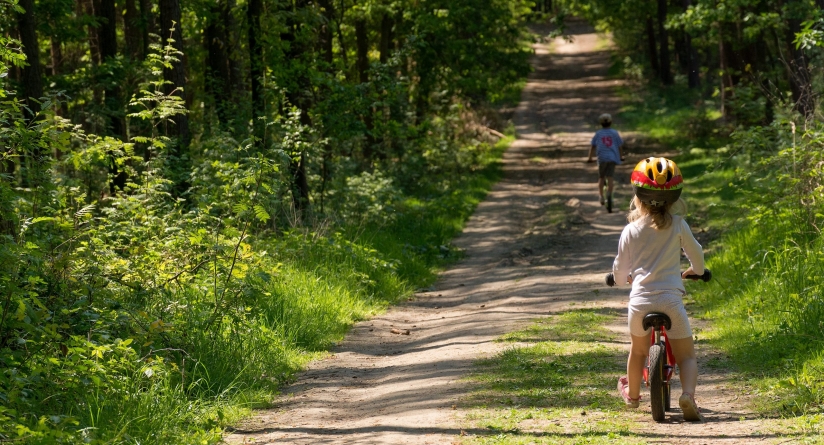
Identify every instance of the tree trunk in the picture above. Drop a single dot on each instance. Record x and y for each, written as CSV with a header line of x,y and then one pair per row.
x,y
56,53
325,36
107,38
726,78
362,45
170,16
236,76
386,37
341,40
31,77
217,60
254,9
107,44
297,95
363,75
170,25
131,30
693,78
89,8
107,29
147,25
663,41
652,48
92,8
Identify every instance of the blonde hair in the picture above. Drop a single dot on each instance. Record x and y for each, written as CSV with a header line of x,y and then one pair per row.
x,y
661,216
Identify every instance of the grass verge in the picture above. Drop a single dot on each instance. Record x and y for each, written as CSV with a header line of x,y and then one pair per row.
x,y
553,385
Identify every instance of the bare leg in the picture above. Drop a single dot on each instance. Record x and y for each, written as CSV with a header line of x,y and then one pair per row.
x,y
601,189
684,351
635,364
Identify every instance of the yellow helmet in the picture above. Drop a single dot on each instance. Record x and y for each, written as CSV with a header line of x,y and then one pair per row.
x,y
657,181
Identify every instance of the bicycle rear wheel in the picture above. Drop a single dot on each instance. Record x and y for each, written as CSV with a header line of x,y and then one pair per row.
x,y
656,381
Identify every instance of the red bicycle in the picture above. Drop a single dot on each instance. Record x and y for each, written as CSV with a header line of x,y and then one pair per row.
x,y
660,361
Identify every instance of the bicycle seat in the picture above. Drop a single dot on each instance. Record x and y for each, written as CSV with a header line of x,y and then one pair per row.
x,y
656,320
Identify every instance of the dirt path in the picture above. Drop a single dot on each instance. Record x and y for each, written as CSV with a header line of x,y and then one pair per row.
x,y
538,244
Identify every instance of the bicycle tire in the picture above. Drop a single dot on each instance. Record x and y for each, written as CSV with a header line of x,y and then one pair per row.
x,y
656,381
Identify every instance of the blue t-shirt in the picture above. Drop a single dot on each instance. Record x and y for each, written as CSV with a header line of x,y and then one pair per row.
x,y
606,142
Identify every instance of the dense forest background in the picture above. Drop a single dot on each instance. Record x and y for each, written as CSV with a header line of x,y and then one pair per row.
x,y
198,197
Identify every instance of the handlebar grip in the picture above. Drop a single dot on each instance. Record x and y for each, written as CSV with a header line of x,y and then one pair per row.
x,y
610,279
707,276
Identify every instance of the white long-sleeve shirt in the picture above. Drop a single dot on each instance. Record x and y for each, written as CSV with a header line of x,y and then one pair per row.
x,y
653,257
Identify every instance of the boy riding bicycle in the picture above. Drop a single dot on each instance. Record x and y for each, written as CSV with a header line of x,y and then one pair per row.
x,y
649,258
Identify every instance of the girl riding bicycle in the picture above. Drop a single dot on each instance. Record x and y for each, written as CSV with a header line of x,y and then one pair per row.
x,y
649,257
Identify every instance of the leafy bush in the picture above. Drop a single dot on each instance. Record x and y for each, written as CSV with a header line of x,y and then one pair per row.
x,y
768,287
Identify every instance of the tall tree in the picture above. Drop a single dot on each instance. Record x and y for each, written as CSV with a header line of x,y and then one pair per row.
x,y
325,35
386,37
31,75
216,38
663,41
170,15
298,53
132,30
106,28
170,25
652,47
362,46
107,43
693,78
147,25
254,9
236,75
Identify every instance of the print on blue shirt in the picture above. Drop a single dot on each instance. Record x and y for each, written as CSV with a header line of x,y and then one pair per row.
x,y
606,142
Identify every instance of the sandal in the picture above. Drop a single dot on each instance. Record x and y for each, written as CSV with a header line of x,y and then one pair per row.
x,y
689,408
623,389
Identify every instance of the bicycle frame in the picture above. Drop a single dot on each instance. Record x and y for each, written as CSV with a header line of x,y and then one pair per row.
x,y
656,336
660,388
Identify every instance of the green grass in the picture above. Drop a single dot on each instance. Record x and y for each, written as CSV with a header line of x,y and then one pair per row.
x,y
768,292
555,384
674,118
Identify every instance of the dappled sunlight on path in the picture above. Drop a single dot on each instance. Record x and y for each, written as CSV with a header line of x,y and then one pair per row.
x,y
539,244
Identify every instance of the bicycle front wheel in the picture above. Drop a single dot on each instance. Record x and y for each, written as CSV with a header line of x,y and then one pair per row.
x,y
657,356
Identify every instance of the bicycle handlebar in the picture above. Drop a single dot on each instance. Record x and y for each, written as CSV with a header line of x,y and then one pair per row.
x,y
707,276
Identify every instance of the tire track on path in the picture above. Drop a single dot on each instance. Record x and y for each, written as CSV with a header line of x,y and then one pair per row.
x,y
538,244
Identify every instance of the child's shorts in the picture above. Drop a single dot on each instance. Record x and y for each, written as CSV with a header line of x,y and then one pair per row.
x,y
667,303
606,169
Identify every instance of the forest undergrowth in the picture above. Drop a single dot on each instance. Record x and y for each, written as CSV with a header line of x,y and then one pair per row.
x,y
187,220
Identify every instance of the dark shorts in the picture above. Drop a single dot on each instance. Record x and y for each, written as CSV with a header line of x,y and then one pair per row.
x,y
606,169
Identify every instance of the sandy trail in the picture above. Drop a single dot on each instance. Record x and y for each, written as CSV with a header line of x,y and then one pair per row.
x,y
522,262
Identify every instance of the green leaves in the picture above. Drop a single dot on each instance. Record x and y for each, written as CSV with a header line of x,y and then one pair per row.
x,y
261,214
